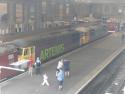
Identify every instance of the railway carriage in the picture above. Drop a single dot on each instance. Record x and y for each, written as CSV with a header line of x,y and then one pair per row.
x,y
91,33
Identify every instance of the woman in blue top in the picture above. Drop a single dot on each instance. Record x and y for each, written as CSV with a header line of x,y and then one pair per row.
x,y
60,78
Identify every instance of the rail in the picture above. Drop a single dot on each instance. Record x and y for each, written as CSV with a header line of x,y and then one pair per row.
x,y
85,81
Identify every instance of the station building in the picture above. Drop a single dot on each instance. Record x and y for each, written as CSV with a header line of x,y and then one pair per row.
x,y
35,15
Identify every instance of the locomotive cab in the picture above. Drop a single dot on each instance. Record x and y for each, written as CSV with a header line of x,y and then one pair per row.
x,y
26,53
84,34
24,56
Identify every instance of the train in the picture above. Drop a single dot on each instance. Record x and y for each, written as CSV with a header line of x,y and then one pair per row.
x,y
91,33
17,53
19,16
112,25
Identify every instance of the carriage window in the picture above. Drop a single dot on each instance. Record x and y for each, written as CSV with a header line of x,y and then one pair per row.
x,y
25,52
86,33
11,58
19,51
31,50
82,34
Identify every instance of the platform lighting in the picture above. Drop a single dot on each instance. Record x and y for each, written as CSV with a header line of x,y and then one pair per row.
x,y
120,11
0,79
119,18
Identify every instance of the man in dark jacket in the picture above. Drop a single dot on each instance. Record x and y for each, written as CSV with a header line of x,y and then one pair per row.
x,y
66,64
38,65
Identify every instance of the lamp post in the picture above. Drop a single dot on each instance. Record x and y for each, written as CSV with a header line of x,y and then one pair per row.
x,y
0,79
119,18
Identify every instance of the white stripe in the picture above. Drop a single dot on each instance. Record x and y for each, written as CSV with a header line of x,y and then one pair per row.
x,y
10,68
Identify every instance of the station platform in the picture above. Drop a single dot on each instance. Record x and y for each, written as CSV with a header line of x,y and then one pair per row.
x,y
84,64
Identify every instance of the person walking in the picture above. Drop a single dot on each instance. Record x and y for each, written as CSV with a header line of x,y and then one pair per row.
x,y
66,64
123,36
30,67
45,80
60,64
57,71
30,70
38,65
60,78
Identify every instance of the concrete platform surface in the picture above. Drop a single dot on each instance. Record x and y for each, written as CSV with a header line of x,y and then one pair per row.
x,y
83,62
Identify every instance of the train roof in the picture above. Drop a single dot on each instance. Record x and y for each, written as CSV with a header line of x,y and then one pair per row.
x,y
31,40
7,48
82,29
89,28
2,50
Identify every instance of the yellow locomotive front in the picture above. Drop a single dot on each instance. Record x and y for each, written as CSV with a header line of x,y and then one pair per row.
x,y
84,34
26,53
